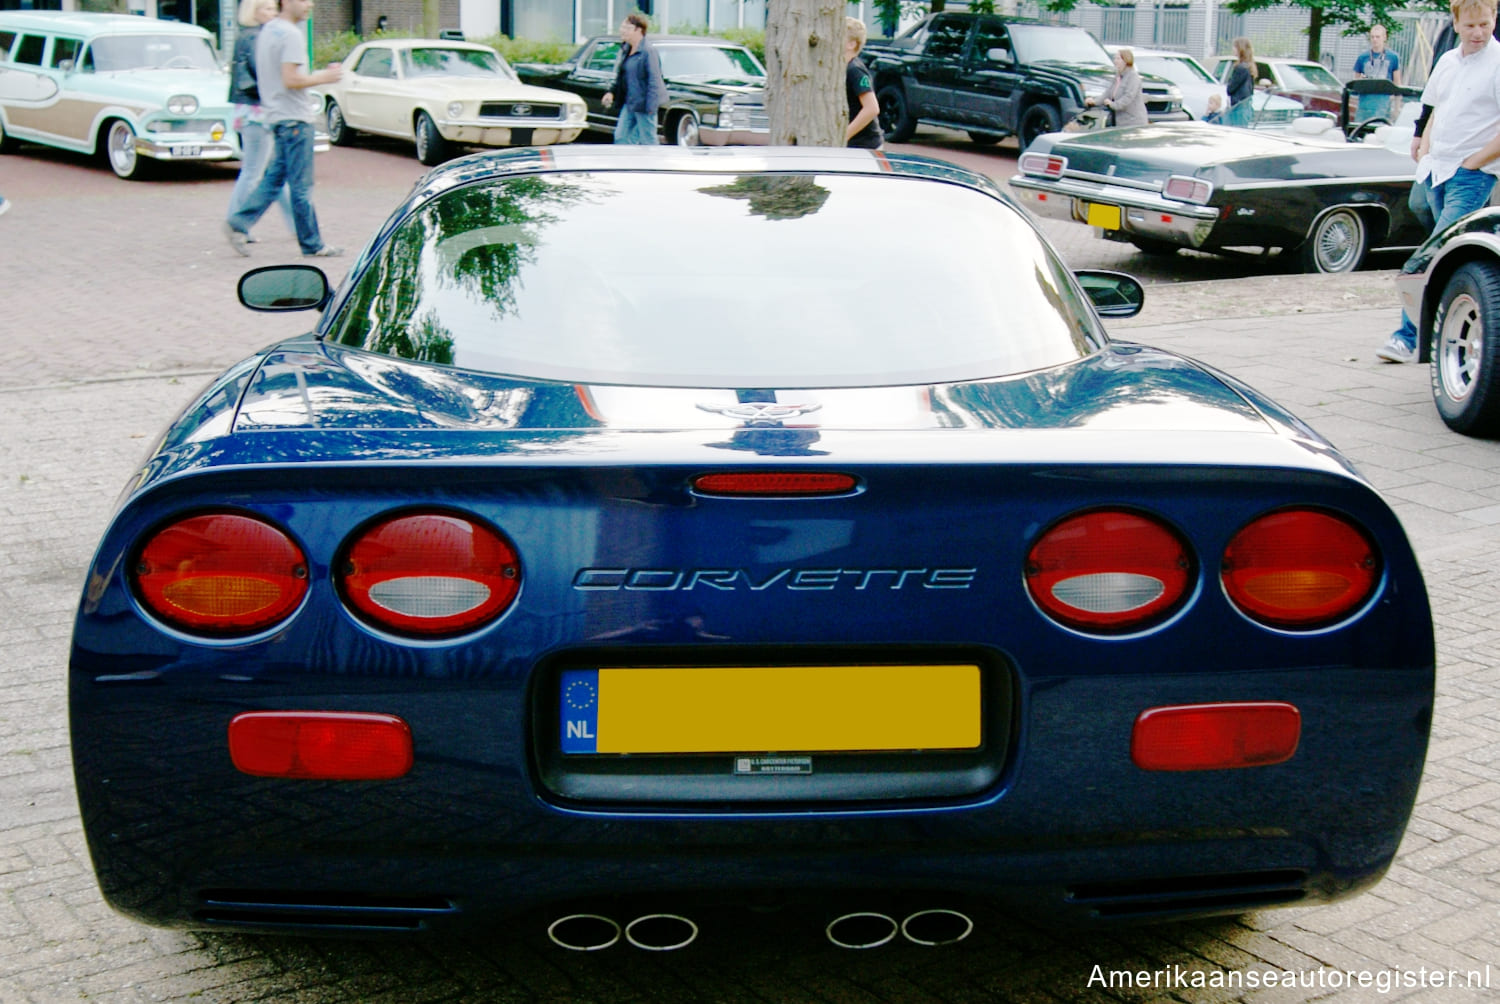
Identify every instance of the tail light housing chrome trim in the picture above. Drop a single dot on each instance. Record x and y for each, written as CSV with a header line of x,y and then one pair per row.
x,y
1187,189
1045,165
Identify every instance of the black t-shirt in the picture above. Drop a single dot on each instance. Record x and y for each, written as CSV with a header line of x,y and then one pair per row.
x,y
856,82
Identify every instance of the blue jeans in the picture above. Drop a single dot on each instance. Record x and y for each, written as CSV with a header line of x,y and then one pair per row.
x,y
1451,201
291,165
634,127
256,144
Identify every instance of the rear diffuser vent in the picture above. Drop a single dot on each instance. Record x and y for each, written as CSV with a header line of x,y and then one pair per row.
x,y
1241,890
325,911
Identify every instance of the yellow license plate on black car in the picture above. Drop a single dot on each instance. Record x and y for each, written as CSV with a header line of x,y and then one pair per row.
x,y
732,709
1100,215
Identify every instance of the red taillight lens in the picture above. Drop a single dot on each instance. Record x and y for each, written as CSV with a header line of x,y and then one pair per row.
x,y
1299,568
430,574
774,483
223,574
326,745
1046,165
1108,571
1215,736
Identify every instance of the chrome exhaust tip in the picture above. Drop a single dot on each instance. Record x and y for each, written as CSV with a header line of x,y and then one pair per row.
x,y
661,932
937,927
583,932
863,929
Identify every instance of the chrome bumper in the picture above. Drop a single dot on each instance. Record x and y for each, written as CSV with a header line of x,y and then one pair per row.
x,y
492,132
714,136
1142,213
185,149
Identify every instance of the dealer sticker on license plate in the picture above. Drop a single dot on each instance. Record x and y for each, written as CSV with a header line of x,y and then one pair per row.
x,y
743,709
1104,216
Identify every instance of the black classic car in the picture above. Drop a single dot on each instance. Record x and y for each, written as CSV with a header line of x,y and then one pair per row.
x,y
1328,191
995,76
715,88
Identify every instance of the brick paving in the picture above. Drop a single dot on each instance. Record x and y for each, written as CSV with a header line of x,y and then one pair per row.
x,y
117,301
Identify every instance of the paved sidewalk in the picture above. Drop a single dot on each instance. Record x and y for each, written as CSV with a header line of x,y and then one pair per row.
x,y
95,279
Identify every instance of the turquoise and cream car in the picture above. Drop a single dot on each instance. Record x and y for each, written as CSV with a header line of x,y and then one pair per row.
x,y
133,89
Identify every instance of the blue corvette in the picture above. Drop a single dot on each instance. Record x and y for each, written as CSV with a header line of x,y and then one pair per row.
x,y
626,527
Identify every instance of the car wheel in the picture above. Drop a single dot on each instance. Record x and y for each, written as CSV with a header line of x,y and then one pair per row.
x,y
1151,246
1465,365
432,149
1337,243
984,138
1038,120
684,131
339,133
119,150
896,120
8,143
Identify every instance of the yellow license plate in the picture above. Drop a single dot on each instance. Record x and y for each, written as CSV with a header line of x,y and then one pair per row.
x,y
1107,217
734,709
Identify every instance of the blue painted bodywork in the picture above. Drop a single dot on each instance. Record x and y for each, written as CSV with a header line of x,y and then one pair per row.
x,y
320,439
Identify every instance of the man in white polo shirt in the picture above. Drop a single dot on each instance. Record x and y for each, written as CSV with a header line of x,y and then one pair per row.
x,y
290,112
1459,148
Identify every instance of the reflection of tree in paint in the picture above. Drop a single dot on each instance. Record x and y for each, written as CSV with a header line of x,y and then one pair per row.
x,y
476,240
776,197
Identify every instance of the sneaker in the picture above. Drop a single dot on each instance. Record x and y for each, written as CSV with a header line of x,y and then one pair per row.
x,y
1394,351
4,205
240,242
326,251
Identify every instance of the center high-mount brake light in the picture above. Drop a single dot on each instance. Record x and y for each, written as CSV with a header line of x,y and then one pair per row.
x,y
774,484
1109,571
224,574
429,574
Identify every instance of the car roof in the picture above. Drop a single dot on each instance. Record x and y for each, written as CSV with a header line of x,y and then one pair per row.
x,y
425,43
87,23
677,40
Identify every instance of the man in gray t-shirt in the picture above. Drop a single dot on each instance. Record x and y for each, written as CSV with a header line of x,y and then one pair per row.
x,y
290,111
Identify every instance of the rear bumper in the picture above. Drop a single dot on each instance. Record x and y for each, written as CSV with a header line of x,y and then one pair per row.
x,y
1140,213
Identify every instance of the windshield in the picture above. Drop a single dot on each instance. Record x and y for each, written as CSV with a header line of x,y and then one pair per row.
x,y
688,280
1041,43
1309,77
432,62
1179,71
710,62
152,52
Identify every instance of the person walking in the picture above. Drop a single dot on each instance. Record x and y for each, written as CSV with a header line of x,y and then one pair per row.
x,y
639,86
864,130
1459,148
1241,84
256,141
1377,63
1124,98
282,73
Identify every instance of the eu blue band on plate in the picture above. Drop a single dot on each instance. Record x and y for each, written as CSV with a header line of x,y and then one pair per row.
x,y
579,710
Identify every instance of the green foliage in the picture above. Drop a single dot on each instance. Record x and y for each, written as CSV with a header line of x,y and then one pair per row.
x,y
753,39
527,50
333,48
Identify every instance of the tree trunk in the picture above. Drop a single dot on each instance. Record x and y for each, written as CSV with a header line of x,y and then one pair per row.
x,y
1315,34
805,72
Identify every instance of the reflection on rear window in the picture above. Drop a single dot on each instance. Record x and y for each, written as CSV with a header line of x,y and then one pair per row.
x,y
716,281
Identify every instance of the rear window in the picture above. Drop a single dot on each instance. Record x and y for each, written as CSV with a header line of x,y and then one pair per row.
x,y
665,279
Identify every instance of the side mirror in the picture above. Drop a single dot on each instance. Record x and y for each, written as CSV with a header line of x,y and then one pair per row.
x,y
1113,294
279,288
999,56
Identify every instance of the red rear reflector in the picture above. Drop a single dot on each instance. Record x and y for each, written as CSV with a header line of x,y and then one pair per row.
x,y
1299,568
1215,736
1108,571
221,574
325,745
774,483
430,574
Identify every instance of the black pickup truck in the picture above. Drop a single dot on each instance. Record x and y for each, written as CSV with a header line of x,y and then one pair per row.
x,y
995,76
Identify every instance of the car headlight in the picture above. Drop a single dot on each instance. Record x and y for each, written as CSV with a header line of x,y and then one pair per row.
x,y
455,109
577,113
182,104
216,131
726,106
1174,93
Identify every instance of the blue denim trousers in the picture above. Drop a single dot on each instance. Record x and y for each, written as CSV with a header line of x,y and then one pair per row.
x,y
1451,201
256,144
291,164
638,128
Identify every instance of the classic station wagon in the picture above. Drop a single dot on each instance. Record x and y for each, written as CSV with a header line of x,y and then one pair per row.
x,y
134,89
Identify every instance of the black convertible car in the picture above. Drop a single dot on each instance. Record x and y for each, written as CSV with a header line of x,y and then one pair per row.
x,y
1330,191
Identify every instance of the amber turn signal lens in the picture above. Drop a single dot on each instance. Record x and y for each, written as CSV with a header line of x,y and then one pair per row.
x,y
1300,569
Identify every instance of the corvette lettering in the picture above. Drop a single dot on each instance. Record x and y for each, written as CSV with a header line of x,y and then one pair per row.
x,y
666,580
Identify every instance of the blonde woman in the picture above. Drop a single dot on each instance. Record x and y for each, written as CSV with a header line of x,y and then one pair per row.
x,y
256,139
1124,97
1241,83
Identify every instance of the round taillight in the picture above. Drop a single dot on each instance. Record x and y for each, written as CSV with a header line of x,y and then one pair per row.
x,y
1108,571
224,574
1299,568
430,574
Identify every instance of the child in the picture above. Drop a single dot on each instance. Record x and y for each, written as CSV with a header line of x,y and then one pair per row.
x,y
1215,114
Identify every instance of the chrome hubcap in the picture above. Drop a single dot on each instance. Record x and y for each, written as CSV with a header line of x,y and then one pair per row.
x,y
121,147
1337,243
687,131
1460,347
